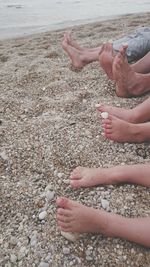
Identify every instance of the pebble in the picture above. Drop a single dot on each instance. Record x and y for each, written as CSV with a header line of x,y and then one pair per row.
x,y
13,241
33,240
105,203
13,258
70,236
48,187
44,264
3,155
22,253
49,195
60,175
104,115
66,181
66,251
42,215
97,105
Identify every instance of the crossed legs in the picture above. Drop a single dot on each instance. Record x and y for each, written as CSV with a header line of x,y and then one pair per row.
x,y
75,217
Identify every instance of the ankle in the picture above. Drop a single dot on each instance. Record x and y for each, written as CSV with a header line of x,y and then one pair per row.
x,y
135,116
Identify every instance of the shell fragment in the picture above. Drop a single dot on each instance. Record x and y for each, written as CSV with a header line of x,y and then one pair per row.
x,y
70,236
104,115
97,105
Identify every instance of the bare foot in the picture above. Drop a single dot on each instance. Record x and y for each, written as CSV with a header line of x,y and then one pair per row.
x,y
74,54
106,58
128,82
121,131
71,42
87,177
121,113
75,217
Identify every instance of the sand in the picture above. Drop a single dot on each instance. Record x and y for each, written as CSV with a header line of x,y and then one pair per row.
x,y
49,125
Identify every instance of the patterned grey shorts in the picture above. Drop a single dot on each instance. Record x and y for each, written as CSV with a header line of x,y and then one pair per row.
x,y
138,43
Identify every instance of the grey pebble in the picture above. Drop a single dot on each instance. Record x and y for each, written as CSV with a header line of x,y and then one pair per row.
x,y
44,264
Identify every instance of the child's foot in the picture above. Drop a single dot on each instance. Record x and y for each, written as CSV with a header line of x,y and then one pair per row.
x,y
106,59
87,177
121,113
121,131
75,217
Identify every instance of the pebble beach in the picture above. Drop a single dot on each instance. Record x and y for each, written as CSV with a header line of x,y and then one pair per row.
x,y
48,126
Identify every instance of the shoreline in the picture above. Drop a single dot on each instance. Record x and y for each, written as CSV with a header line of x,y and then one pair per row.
x,y
57,27
49,126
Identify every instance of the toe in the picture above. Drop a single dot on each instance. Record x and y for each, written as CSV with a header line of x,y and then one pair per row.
x,y
76,174
108,131
62,202
63,219
62,224
75,183
63,212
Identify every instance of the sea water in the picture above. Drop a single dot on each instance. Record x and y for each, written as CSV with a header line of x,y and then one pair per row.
x,y
21,17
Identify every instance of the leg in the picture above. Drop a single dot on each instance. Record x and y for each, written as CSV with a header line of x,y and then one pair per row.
x,y
139,114
128,82
73,43
75,217
121,131
142,65
87,177
80,57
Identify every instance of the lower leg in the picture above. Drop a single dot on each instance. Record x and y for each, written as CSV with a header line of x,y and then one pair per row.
x,y
121,131
80,57
139,114
75,217
142,65
87,177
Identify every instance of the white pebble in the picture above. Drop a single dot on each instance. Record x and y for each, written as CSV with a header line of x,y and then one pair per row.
x,y
105,203
42,215
44,264
97,105
70,236
48,187
49,195
66,251
60,175
13,258
3,155
104,115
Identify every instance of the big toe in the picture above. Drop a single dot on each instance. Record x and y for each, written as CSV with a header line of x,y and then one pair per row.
x,y
65,203
76,174
62,202
76,183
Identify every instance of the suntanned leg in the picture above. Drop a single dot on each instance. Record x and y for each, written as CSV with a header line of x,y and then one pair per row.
x,y
121,131
142,65
74,43
78,57
128,82
75,217
141,113
87,177
81,57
